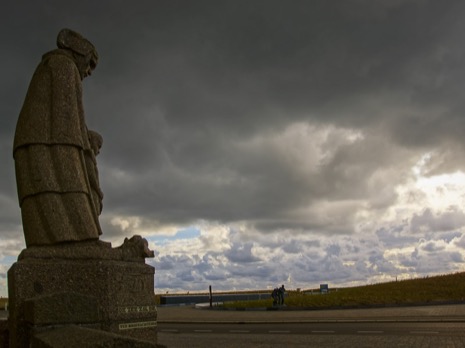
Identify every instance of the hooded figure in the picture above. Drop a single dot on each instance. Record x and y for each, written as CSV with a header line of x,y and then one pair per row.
x,y
52,149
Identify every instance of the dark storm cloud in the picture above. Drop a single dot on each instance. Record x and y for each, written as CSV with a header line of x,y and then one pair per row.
x,y
217,74
199,102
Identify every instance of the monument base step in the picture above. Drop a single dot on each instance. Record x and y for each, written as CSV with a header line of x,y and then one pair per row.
x,y
112,296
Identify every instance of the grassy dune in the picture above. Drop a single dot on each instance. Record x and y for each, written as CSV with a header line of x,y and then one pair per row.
x,y
423,290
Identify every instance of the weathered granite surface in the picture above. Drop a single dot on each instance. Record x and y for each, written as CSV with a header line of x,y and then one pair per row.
x,y
63,308
109,295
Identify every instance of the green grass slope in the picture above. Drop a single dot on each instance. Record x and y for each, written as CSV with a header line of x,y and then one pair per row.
x,y
414,291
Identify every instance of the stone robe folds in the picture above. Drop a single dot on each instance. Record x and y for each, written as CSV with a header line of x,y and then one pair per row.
x,y
50,148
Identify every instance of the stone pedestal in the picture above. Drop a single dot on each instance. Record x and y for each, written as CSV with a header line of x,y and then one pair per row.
x,y
116,296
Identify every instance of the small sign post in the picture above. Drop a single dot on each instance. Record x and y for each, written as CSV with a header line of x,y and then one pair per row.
x,y
211,298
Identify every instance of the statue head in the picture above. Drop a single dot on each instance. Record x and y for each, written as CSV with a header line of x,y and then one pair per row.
x,y
85,54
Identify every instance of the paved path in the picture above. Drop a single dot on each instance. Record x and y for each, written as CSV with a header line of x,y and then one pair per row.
x,y
424,313
189,314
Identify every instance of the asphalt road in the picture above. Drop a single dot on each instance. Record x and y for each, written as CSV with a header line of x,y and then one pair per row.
x,y
370,335
409,327
358,328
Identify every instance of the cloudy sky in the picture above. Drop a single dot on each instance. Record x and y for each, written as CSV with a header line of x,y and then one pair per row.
x,y
259,143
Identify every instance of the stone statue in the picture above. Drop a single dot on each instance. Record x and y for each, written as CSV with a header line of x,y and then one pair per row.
x,y
54,152
68,282
96,142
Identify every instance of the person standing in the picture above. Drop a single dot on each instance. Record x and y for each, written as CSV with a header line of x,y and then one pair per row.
x,y
281,292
